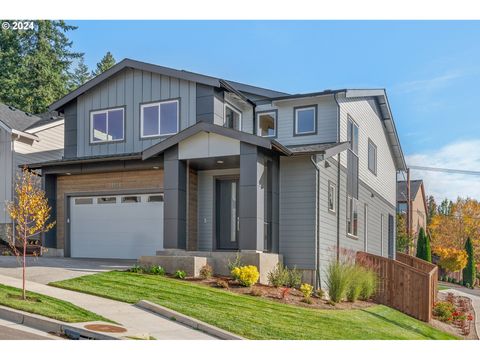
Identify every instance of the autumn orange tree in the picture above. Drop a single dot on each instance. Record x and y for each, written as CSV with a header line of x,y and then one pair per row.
x,y
30,214
451,259
451,229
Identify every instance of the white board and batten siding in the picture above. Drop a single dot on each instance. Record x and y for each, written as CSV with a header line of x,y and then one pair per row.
x,y
365,113
129,89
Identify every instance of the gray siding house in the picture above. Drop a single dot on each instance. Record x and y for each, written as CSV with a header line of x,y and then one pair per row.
x,y
24,139
183,169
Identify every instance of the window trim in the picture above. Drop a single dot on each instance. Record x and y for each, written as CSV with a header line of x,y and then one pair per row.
x,y
371,143
234,109
331,185
257,122
296,109
353,236
106,110
350,119
158,103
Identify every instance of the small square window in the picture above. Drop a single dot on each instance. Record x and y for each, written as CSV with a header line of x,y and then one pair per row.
x,y
155,198
267,124
84,201
107,125
305,120
131,199
107,200
372,157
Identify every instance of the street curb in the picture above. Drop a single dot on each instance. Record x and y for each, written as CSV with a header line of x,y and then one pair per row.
x,y
48,325
188,321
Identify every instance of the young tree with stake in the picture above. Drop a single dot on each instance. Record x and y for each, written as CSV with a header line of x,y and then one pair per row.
x,y
30,214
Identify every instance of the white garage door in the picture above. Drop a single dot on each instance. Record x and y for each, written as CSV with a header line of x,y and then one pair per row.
x,y
116,226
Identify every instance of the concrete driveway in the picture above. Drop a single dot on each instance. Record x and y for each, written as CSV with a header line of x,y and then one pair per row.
x,y
44,270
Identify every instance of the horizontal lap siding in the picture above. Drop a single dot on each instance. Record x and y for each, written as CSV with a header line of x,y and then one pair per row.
x,y
5,172
130,88
297,212
92,183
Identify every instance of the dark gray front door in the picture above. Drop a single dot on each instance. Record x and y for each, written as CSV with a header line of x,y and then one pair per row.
x,y
226,214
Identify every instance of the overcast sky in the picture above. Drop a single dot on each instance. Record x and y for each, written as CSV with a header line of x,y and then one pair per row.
x,y
430,70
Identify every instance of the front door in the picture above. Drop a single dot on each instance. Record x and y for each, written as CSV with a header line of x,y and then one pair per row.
x,y
226,214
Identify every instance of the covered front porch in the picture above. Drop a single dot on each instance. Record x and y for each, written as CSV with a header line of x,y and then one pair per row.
x,y
221,197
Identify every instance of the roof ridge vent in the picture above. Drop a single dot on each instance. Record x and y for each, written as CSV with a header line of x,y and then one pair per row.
x,y
11,108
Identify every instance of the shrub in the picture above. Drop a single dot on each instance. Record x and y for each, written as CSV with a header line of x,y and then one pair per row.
x,y
306,290
279,276
246,275
470,270
338,280
369,284
235,262
294,278
222,284
180,274
444,310
320,293
424,251
136,269
206,272
156,270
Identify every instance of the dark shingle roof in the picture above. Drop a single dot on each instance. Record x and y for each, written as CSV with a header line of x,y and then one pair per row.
x,y
402,189
46,118
16,119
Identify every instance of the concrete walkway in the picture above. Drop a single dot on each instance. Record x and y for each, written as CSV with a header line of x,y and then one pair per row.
x,y
475,302
137,321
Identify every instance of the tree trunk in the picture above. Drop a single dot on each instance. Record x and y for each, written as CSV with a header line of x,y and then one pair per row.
x,y
24,296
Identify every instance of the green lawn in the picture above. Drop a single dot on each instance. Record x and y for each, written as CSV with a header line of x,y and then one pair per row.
x,y
252,317
45,305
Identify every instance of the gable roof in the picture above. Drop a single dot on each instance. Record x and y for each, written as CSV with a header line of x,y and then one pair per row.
x,y
415,185
16,119
180,74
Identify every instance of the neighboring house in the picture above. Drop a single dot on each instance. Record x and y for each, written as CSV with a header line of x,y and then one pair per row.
x,y
197,168
24,138
418,205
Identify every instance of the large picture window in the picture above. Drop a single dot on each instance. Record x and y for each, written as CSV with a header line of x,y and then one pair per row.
x,y
159,119
305,120
233,118
107,125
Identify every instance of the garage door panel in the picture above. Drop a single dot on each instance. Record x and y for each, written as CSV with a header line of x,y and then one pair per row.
x,y
120,230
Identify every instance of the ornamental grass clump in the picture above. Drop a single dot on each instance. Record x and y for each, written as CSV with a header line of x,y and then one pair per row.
x,y
355,286
246,275
368,284
338,280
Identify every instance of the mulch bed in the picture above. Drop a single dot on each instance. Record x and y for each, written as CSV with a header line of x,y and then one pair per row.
x,y
294,296
452,328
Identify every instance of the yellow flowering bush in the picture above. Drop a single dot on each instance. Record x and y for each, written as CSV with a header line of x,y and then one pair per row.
x,y
451,259
246,275
306,290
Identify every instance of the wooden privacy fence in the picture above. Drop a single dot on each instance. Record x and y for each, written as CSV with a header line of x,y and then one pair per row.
x,y
407,284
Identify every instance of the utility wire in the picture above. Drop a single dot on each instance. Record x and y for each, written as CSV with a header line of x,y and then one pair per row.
x,y
450,171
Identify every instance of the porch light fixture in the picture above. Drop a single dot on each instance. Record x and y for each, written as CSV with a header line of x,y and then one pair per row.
x,y
219,161
68,174
156,168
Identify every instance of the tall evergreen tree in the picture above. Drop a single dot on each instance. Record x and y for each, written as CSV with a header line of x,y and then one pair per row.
x,y
469,272
106,63
34,65
421,246
80,74
428,249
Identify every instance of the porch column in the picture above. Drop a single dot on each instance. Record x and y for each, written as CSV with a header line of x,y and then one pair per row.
x,y
175,200
251,207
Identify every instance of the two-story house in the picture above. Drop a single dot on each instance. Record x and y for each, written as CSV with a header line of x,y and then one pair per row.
x,y
181,169
24,139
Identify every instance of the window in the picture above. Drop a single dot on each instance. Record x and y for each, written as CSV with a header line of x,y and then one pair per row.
x,y
233,118
332,191
352,216
402,208
381,235
131,199
305,120
107,200
352,135
155,198
107,125
267,124
372,157
84,201
159,119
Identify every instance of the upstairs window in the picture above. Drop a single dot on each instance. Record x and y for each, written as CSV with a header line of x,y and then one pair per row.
x,y
233,118
352,135
107,125
305,120
372,157
267,124
159,119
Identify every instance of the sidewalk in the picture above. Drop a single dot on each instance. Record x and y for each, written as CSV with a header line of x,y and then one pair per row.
x,y
135,320
475,303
